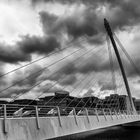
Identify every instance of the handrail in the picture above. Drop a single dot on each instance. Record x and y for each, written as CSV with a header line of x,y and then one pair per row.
x,y
16,110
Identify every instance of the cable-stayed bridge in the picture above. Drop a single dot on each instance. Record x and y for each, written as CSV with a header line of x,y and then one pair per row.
x,y
64,115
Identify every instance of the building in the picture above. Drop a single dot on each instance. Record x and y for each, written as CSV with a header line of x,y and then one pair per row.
x,y
58,99
111,102
91,101
137,104
24,102
117,102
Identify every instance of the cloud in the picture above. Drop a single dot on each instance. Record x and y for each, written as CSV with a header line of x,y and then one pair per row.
x,y
83,19
12,54
47,21
14,91
48,87
108,86
32,73
93,14
85,26
69,80
41,45
65,75
89,93
23,49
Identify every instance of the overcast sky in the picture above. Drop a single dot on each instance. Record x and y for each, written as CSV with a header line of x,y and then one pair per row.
x,y
32,29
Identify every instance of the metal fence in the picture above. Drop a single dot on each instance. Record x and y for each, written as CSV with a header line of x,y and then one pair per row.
x,y
14,111
11,111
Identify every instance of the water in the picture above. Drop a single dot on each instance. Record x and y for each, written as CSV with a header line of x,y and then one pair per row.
x,y
116,133
113,133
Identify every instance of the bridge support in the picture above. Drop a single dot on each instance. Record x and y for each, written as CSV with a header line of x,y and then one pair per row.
x,y
5,120
110,34
96,112
74,113
111,114
59,116
104,115
37,118
116,114
87,115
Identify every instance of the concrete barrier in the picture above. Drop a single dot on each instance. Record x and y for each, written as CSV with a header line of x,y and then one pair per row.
x,y
27,128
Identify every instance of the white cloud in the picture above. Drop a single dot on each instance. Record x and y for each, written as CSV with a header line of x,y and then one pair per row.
x,y
19,18
16,20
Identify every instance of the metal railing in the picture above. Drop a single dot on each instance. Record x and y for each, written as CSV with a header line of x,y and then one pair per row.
x,y
14,111
10,111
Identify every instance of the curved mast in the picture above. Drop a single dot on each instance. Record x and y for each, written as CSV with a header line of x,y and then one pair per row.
x,y
110,34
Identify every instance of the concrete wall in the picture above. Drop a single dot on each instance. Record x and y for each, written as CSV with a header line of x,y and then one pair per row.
x,y
50,127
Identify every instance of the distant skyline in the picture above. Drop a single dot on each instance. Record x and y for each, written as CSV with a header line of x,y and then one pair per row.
x,y
31,29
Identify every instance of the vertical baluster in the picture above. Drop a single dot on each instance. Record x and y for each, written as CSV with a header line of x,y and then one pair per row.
x,y
87,115
59,116
104,114
111,114
96,112
74,113
37,118
5,119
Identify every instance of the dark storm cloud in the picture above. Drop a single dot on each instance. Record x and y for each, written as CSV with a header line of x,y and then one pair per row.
x,y
89,23
69,80
69,68
20,84
76,30
23,49
47,20
12,54
16,90
93,63
32,73
41,45
49,87
70,25
92,18
132,70
86,65
65,75
68,71
34,2
106,86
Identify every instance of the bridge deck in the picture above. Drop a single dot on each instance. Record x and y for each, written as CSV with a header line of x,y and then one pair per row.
x,y
39,128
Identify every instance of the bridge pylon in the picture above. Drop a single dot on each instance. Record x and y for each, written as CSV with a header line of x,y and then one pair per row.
x,y
110,34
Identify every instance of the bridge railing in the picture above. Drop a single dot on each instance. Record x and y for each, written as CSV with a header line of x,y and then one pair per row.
x,y
14,111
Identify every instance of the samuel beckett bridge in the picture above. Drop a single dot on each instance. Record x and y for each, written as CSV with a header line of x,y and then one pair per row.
x,y
60,115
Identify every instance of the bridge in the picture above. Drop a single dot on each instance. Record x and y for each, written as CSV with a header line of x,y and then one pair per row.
x,y
40,122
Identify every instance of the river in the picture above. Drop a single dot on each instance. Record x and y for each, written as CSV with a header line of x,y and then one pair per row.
x,y
113,133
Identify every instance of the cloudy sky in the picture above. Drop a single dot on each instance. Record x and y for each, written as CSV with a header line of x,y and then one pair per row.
x,y
33,29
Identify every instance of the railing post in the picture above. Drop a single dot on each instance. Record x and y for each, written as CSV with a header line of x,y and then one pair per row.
x,y
116,114
5,119
59,116
96,112
37,117
111,114
128,114
87,115
120,114
125,115
74,113
104,115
